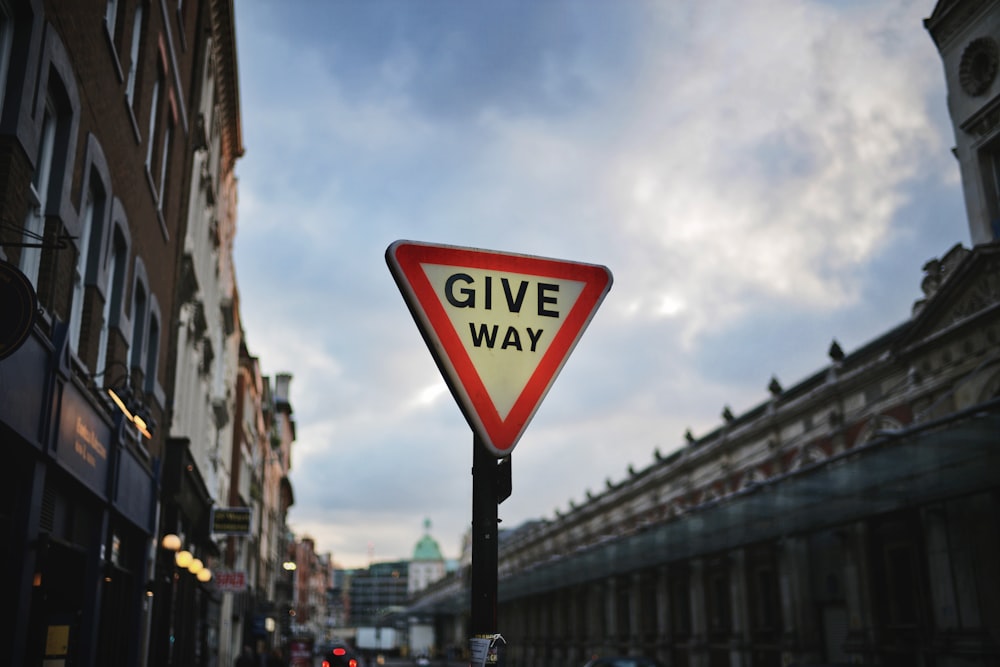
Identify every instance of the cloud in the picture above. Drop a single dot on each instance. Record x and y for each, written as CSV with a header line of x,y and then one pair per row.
x,y
755,175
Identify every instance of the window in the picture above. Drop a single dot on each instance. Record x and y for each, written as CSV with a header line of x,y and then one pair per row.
x,y
151,137
113,19
219,381
111,16
133,65
6,43
152,353
90,235
112,295
138,325
34,225
161,191
161,123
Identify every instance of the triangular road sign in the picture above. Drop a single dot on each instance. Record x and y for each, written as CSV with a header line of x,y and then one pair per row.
x,y
500,326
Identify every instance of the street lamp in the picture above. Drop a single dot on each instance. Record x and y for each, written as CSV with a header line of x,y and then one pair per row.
x,y
122,395
290,567
183,559
176,629
171,542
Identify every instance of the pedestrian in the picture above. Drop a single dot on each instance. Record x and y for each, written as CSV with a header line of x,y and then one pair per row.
x,y
276,659
246,657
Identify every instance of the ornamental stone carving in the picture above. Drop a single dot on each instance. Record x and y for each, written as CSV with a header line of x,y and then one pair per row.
x,y
978,67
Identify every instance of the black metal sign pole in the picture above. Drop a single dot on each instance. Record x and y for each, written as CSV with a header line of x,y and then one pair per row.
x,y
491,485
484,541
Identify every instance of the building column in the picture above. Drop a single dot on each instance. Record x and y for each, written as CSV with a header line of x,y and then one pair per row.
x,y
534,614
636,638
575,633
664,628
595,616
801,638
939,566
545,605
960,558
699,614
611,612
857,590
739,653
521,628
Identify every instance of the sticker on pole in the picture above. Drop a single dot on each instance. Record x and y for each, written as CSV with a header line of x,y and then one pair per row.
x,y
500,326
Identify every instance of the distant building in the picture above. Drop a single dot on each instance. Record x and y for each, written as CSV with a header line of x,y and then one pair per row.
x,y
428,565
377,592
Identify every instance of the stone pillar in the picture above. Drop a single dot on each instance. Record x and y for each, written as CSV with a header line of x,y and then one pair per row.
x,y
575,599
857,590
939,567
739,654
595,616
664,627
699,614
611,612
801,638
636,636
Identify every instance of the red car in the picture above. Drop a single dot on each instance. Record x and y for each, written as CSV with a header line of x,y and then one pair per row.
x,y
341,655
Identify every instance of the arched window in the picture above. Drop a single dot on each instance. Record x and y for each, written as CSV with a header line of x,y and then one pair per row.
x,y
91,228
113,290
133,63
161,190
34,225
152,354
138,325
46,182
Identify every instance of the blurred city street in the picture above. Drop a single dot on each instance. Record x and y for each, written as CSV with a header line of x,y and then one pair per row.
x,y
400,662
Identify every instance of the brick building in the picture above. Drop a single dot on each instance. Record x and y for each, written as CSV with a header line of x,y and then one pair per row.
x,y
119,127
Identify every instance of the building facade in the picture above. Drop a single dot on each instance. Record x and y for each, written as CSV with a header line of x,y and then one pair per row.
x,y
377,592
95,132
121,345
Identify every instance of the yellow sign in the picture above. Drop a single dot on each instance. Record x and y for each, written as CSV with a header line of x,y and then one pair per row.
x,y
57,640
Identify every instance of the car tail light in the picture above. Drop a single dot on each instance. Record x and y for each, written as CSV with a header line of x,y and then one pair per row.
x,y
326,663
352,663
339,651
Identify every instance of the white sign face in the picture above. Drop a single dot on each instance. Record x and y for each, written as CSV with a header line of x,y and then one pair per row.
x,y
506,321
500,326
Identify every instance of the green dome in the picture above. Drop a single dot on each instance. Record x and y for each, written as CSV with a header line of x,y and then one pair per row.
x,y
427,548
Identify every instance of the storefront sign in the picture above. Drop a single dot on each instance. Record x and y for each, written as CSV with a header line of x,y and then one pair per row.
x,y
84,439
230,581
231,520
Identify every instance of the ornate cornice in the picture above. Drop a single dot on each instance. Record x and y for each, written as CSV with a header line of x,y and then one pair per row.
x,y
224,53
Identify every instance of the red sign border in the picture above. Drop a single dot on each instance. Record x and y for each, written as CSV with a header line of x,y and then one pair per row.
x,y
499,435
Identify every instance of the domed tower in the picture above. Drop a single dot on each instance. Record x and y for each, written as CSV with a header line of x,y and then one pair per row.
x,y
967,35
427,565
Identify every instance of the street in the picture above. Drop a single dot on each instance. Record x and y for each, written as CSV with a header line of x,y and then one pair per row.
x,y
400,662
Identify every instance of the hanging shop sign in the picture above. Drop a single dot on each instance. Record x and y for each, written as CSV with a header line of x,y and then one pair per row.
x,y
18,305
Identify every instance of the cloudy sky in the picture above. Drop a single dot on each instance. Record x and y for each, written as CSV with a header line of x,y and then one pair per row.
x,y
761,178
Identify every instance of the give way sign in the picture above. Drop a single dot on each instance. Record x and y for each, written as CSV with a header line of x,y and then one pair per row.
x,y
500,326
